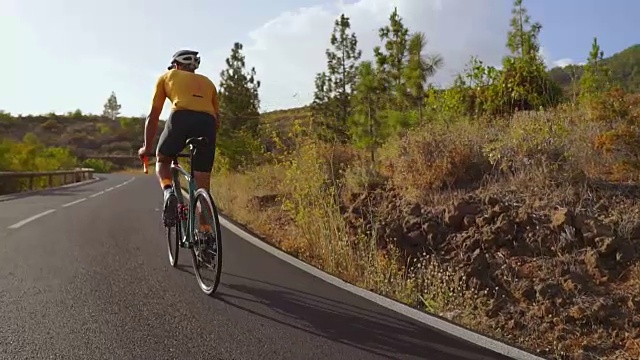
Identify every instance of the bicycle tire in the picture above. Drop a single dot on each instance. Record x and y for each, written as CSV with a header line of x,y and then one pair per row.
x,y
204,198
175,240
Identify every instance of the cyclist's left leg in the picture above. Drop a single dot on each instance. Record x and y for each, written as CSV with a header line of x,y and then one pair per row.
x,y
203,159
171,142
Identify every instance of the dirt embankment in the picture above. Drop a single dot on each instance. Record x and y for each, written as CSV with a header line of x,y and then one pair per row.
x,y
555,271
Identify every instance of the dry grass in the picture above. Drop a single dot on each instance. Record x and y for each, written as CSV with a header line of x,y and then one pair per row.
x,y
520,229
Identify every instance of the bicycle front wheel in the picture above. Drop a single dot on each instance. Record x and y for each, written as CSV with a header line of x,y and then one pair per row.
x,y
206,251
174,235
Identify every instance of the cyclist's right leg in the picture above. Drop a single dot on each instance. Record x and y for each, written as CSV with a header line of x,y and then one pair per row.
x,y
171,142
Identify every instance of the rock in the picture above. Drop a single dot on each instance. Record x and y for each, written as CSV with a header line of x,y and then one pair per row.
x,y
412,223
594,266
415,210
634,234
491,239
454,216
394,232
579,220
491,200
500,209
626,252
469,221
472,245
525,291
607,246
548,290
575,282
483,221
595,228
506,226
479,267
546,309
413,240
431,227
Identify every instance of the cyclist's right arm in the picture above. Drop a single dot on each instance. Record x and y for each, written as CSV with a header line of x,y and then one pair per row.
x,y
151,125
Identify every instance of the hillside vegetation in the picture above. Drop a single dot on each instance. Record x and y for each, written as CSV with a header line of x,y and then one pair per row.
x,y
505,203
624,67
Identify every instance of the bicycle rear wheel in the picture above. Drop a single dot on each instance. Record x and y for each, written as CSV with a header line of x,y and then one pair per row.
x,y
206,252
174,235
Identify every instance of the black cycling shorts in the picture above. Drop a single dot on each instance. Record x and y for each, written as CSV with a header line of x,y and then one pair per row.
x,y
185,124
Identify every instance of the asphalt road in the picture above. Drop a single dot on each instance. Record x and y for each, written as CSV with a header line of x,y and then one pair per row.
x,y
91,280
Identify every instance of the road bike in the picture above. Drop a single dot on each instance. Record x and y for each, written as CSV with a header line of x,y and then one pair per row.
x,y
205,245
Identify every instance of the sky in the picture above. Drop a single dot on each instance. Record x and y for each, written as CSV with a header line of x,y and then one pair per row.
x,y
64,55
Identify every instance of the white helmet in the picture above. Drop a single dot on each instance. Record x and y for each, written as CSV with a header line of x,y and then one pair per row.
x,y
185,57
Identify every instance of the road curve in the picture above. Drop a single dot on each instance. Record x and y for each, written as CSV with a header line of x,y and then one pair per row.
x,y
90,279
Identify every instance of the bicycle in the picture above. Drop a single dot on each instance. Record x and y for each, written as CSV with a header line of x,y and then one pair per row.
x,y
193,238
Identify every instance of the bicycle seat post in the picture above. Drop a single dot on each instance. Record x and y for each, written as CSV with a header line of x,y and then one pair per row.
x,y
192,150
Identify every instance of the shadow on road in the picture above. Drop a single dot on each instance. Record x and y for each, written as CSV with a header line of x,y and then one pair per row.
x,y
364,329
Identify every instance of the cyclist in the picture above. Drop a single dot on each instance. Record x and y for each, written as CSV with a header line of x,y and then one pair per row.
x,y
195,113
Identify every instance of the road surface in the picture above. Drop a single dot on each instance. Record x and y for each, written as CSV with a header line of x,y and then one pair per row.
x,y
90,279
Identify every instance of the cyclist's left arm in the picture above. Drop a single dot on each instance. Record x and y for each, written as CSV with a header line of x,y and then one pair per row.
x,y
216,104
151,125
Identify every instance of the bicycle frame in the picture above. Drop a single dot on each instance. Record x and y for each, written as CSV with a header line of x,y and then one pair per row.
x,y
188,225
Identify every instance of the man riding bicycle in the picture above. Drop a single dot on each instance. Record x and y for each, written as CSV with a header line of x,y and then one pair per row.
x,y
195,113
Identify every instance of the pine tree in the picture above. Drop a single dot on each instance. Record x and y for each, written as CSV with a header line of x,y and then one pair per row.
x,y
594,79
368,128
332,99
238,94
111,107
392,60
525,84
323,109
418,69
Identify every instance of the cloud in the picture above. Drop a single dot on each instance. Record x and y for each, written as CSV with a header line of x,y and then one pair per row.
x,y
566,62
289,50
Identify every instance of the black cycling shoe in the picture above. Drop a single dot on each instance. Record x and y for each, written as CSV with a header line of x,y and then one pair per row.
x,y
170,211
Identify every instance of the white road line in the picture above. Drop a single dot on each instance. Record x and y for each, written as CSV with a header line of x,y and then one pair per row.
x,y
96,194
74,202
21,223
18,224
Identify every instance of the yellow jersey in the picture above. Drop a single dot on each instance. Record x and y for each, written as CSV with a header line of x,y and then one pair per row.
x,y
186,91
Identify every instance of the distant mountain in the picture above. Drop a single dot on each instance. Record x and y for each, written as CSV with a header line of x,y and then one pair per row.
x,y
625,70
